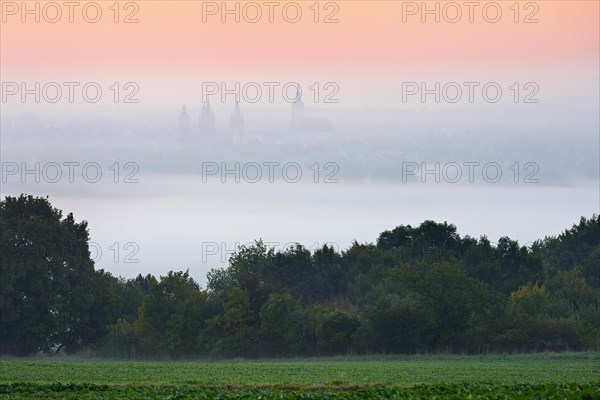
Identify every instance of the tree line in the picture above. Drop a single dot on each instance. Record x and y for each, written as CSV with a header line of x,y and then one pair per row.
x,y
415,290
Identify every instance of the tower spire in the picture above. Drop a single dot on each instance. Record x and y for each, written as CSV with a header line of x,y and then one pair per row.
x,y
298,92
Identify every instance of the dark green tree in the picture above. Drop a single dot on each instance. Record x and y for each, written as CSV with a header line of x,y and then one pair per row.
x,y
280,324
48,294
171,316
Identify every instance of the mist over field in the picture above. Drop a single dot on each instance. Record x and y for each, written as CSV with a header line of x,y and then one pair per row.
x,y
484,167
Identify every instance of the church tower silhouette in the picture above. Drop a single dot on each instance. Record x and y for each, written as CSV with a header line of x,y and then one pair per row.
x,y
206,122
297,111
184,121
236,123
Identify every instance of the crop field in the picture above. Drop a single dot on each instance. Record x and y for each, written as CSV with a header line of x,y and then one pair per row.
x,y
552,376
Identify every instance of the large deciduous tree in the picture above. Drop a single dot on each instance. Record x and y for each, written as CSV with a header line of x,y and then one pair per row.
x,y
47,291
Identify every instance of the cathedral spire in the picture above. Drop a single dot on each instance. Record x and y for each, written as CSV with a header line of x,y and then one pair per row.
x,y
207,119
236,124
298,93
297,111
184,121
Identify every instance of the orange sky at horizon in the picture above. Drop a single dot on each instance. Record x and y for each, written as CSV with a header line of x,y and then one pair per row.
x,y
170,38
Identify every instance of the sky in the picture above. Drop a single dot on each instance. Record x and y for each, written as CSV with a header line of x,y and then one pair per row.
x,y
392,77
367,46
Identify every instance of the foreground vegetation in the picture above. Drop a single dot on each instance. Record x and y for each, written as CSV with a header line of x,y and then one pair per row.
x,y
393,371
454,391
551,376
421,289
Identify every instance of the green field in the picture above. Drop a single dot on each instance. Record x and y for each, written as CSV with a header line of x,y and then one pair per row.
x,y
568,375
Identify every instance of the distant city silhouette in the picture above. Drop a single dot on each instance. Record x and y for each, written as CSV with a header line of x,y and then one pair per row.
x,y
299,123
